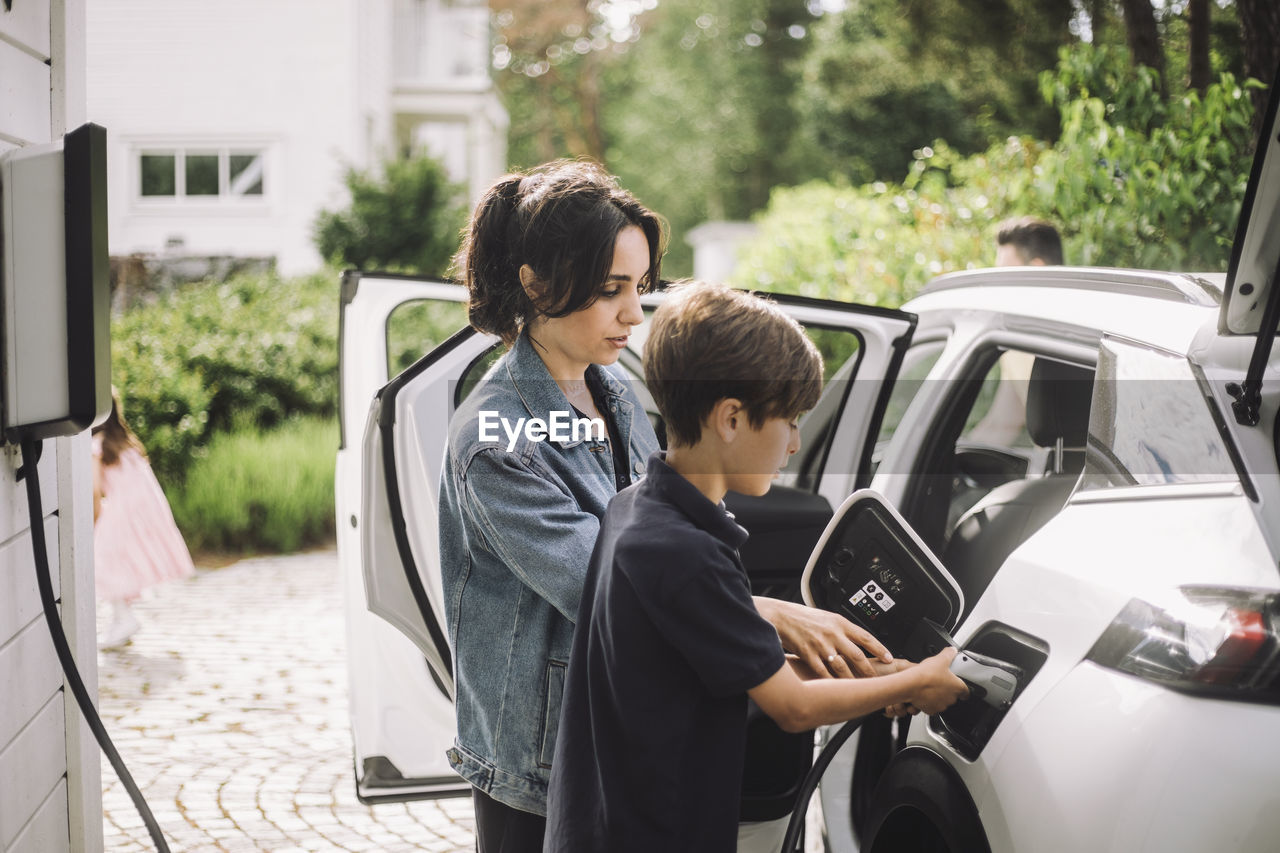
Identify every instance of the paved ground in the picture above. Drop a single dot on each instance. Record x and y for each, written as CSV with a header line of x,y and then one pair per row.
x,y
230,710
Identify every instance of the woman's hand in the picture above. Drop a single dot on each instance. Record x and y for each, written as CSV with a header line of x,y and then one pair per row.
x,y
827,643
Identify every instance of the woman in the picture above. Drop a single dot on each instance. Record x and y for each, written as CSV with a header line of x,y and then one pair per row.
x,y
555,261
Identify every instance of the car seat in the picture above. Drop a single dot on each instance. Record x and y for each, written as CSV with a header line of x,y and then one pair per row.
x,y
1058,397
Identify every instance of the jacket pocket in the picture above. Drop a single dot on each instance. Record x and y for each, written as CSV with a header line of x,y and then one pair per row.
x,y
551,712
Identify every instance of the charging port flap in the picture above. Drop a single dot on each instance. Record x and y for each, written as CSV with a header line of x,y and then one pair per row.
x,y
872,568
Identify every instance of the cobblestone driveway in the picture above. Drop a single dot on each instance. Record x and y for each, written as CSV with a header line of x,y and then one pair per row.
x,y
230,710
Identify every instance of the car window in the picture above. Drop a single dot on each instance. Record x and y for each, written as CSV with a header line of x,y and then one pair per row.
x,y
416,327
979,442
840,350
916,364
1150,423
476,371
999,413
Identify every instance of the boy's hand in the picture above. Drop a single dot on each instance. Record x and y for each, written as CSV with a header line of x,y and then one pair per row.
x,y
829,644
939,687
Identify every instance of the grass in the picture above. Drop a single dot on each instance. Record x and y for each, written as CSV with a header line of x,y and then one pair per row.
x,y
261,491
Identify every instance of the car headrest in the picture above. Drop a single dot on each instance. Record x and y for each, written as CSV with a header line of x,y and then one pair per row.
x,y
1058,398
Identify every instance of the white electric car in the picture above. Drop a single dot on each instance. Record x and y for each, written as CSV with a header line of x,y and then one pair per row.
x,y
1092,454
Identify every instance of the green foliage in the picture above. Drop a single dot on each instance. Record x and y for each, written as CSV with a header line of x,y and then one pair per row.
x,y
881,79
700,126
877,244
256,490
405,217
1139,181
1132,181
212,357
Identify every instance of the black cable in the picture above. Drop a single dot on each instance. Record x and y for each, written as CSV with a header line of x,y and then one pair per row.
x,y
791,841
30,458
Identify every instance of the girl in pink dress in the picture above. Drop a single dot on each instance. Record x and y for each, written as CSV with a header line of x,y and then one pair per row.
x,y
135,541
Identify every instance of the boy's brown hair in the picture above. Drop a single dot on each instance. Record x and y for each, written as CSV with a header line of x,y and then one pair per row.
x,y
709,342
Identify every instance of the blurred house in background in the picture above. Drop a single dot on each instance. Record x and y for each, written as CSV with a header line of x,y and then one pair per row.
x,y
230,125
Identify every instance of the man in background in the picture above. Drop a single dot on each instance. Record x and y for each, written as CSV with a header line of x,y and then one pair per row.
x,y
1024,242
1028,242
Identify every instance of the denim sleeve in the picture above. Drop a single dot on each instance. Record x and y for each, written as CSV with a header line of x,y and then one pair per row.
x,y
532,525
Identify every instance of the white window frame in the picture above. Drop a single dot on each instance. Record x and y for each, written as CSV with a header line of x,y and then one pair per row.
x,y
180,150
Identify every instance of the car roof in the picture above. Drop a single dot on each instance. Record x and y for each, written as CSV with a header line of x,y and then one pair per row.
x,y
1162,309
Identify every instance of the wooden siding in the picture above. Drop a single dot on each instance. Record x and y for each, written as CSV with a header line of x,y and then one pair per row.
x,y
22,120
34,759
50,784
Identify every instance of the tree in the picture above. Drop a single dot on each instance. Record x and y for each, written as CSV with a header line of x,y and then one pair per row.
x,y
550,56
407,216
1142,35
1199,71
700,113
1260,34
1135,180
884,78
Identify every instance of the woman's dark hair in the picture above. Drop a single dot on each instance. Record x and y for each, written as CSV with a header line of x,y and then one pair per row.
x,y
116,435
562,219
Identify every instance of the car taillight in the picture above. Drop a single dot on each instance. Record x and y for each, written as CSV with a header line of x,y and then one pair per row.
x,y
1215,641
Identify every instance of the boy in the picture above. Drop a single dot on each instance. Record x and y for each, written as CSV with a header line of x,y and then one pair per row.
x,y
668,643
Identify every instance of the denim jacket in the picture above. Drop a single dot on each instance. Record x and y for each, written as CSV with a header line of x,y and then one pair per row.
x,y
517,527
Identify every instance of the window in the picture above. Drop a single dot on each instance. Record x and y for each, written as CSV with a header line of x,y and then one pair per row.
x,y
916,365
1151,424
201,173
416,327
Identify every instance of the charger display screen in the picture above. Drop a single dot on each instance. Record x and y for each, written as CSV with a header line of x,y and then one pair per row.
x,y
878,577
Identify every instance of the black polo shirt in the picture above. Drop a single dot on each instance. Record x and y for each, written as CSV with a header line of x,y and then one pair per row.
x,y
653,724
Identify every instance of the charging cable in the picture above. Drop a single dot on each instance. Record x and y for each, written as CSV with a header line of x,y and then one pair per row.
x,y
30,457
791,841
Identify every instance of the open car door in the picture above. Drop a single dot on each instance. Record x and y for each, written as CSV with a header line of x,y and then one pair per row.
x,y
401,678
399,675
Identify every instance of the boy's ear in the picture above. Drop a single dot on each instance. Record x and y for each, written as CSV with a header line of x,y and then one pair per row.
x,y
533,286
727,418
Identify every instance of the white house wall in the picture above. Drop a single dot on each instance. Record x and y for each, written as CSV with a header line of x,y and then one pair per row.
x,y
284,77
50,783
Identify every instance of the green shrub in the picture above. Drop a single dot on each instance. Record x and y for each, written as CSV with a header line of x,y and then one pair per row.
x,y
206,358
1142,181
261,490
406,216
879,243
1133,181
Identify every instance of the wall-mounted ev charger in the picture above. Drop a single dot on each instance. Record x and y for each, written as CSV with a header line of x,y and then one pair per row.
x,y
56,293
54,271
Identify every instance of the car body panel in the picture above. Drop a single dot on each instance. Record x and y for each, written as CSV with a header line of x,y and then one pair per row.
x,y
1256,251
401,721
1034,765
1109,535
1110,762
1223,361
